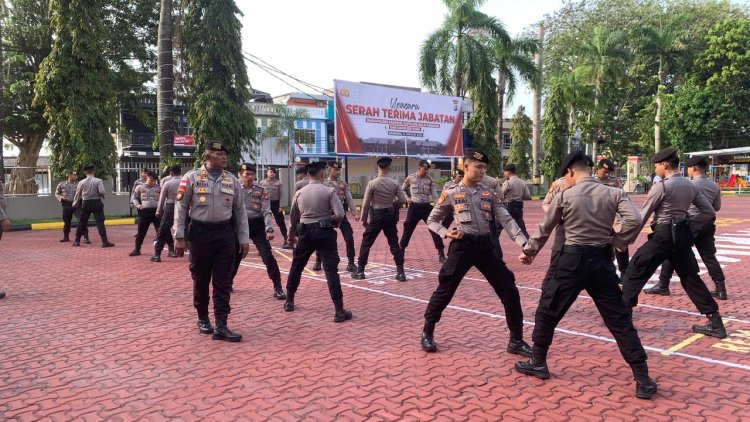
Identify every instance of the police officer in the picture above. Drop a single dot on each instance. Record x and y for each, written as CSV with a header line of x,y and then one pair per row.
x,y
420,189
585,262
603,173
383,197
458,175
669,201
210,196
704,238
165,212
515,192
274,187
65,193
4,220
260,228
89,196
316,210
302,177
475,244
345,196
146,201
141,181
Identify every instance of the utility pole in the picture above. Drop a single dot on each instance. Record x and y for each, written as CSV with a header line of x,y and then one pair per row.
x,y
537,108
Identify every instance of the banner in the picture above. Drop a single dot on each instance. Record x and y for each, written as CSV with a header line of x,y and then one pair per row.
x,y
378,120
184,140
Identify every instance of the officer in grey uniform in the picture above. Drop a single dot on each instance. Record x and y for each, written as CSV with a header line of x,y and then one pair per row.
x,y
383,198
515,192
345,195
302,178
165,212
260,226
316,210
458,176
89,195
476,209
421,190
146,201
274,187
138,182
210,196
704,237
585,262
669,201
603,173
4,220
65,193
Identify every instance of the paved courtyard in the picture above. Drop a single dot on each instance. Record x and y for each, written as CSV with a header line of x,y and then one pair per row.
x,y
92,334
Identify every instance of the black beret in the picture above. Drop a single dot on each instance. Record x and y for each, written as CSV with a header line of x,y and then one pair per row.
x,y
697,161
247,167
318,165
475,154
301,170
424,163
573,158
216,146
510,167
663,155
334,164
606,164
384,161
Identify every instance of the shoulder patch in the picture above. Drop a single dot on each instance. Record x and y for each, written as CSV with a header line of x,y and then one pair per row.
x,y
442,197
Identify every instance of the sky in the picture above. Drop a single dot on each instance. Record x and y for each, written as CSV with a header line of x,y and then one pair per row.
x,y
356,40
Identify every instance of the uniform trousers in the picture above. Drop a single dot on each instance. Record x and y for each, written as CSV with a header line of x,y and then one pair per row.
x,y
418,212
581,268
658,248
348,233
480,252
311,238
279,217
258,236
706,246
67,214
515,209
382,219
211,247
148,217
623,259
164,235
89,207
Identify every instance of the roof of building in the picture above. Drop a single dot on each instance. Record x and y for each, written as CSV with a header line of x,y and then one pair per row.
x,y
719,152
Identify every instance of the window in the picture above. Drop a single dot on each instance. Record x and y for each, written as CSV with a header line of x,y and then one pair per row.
x,y
304,136
506,141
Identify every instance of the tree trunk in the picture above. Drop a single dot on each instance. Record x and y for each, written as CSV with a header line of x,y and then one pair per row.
x,y
571,127
22,178
537,128
659,105
500,104
165,78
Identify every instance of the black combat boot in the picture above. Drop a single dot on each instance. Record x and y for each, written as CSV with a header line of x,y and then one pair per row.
x,y
2,294
289,304
400,274
341,314
537,365
428,341
645,387
721,290
318,266
519,347
66,238
351,267
86,239
156,257
714,328
172,253
77,242
441,257
106,243
286,244
204,325
135,252
278,292
661,289
360,274
222,332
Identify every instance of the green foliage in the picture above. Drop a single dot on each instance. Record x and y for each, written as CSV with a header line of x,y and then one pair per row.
x,y
74,84
520,147
483,123
282,127
554,128
218,88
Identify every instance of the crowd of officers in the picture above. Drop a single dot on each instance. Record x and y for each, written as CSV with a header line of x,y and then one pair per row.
x,y
215,215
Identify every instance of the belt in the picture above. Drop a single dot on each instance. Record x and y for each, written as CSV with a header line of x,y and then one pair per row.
x,y
667,227
474,238
588,250
212,226
419,203
92,200
378,211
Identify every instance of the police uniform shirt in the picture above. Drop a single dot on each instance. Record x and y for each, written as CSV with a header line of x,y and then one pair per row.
x,y
66,191
168,193
670,199
474,210
588,209
210,200
493,184
147,196
257,204
709,189
556,187
3,204
421,189
344,193
89,188
273,187
135,186
611,182
515,189
315,202
380,193
299,184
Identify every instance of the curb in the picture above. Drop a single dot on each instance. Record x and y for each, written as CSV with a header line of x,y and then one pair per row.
x,y
59,225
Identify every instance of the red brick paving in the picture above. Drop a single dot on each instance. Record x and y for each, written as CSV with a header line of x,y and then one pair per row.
x,y
91,334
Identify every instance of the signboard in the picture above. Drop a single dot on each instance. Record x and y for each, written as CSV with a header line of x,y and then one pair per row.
x,y
378,120
184,140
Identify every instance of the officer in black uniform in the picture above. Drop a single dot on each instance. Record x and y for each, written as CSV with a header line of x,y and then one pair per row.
x,y
671,239
316,210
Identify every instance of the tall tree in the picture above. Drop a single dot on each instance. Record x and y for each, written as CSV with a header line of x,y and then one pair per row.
x,y
520,147
74,84
165,84
577,96
2,95
455,57
219,89
283,128
554,128
483,122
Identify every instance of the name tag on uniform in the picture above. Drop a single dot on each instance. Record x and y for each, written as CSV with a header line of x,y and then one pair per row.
x,y
201,183
229,191
226,182
461,207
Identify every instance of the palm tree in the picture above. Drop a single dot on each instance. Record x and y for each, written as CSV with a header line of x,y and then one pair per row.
x,y
454,58
666,46
577,95
283,129
511,59
165,83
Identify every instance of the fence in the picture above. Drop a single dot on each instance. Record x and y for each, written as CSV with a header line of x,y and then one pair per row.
x,y
28,181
